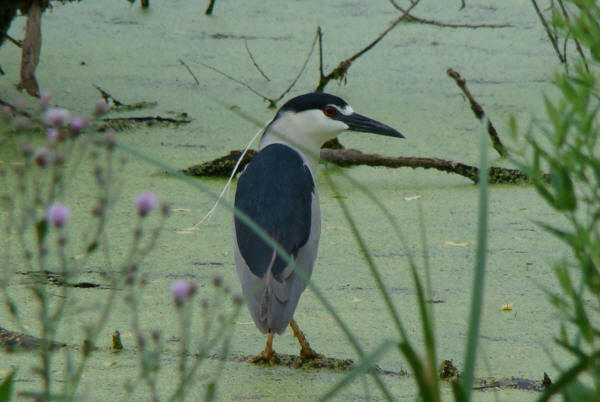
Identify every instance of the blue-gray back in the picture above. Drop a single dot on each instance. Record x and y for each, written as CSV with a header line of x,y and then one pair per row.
x,y
275,190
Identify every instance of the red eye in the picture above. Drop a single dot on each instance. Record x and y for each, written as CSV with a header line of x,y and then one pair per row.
x,y
329,111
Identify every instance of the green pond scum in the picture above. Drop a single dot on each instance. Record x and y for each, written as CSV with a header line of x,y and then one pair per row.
x,y
133,55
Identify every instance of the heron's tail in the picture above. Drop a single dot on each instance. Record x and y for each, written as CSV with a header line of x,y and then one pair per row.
x,y
272,304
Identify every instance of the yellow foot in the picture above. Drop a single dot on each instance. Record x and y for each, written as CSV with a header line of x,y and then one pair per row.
x,y
265,358
268,356
308,356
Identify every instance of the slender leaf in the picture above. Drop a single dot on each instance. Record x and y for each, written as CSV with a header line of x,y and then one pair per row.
x,y
6,387
478,281
365,364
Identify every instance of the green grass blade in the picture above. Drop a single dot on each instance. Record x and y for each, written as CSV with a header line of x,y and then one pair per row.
x,y
480,257
6,387
365,364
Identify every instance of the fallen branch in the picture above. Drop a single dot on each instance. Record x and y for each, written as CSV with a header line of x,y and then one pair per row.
x,y
478,111
222,167
120,106
339,73
126,123
352,157
11,340
108,98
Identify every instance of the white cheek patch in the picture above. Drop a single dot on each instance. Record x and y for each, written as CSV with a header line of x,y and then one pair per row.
x,y
346,110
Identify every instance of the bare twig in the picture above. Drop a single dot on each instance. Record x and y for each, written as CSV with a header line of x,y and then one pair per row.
x,y
339,73
108,98
210,7
577,44
312,48
254,61
272,101
254,91
413,18
189,71
18,43
14,109
553,38
478,111
320,35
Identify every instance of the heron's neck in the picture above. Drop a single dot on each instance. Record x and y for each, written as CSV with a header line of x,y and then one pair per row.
x,y
308,148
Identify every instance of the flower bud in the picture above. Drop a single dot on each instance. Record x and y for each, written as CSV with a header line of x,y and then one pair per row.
x,y
56,116
145,202
182,290
58,215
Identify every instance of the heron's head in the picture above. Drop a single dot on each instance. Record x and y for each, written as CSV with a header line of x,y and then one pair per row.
x,y
312,119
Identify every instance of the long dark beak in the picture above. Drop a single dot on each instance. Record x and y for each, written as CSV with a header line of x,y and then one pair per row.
x,y
358,122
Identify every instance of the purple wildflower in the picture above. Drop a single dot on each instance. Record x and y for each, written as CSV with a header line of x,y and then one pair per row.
x,y
145,202
182,290
77,124
58,214
56,116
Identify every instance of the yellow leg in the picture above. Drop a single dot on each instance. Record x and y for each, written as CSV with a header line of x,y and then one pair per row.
x,y
306,352
268,355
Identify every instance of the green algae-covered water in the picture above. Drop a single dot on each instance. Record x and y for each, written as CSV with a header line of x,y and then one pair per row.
x,y
133,54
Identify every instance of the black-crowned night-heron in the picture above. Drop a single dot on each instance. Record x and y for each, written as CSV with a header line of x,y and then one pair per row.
x,y
277,190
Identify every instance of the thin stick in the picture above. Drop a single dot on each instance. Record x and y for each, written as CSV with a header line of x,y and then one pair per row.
x,y
254,91
426,21
254,61
272,102
18,43
551,36
478,111
210,7
320,35
189,71
312,48
14,109
342,69
577,45
384,33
